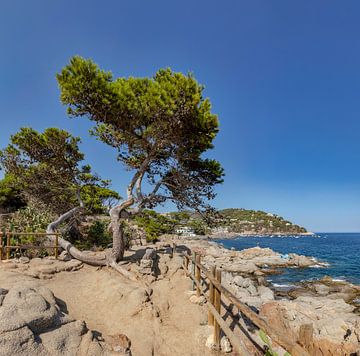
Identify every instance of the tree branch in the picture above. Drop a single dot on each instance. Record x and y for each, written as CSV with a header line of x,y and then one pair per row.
x,y
67,246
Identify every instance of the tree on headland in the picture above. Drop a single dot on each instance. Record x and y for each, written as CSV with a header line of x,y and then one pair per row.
x,y
11,197
160,127
47,167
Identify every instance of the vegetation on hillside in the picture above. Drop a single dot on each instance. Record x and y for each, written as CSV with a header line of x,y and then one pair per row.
x,y
256,221
231,220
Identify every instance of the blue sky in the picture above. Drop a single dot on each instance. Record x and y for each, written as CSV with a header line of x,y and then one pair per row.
x,y
283,76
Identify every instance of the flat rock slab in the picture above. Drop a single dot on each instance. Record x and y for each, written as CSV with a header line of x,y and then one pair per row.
x,y
32,323
42,268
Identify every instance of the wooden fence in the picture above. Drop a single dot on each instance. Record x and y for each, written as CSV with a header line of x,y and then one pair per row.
x,y
8,246
216,291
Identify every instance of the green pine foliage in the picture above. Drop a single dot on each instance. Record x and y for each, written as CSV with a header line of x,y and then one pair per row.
x,y
256,221
11,197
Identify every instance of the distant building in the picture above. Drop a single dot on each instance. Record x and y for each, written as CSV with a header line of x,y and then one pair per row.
x,y
184,231
220,230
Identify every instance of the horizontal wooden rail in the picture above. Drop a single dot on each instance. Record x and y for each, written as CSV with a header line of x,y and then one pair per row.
x,y
237,343
27,247
29,233
8,247
294,348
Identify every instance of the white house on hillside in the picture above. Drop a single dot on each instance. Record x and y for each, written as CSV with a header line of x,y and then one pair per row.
x,y
184,231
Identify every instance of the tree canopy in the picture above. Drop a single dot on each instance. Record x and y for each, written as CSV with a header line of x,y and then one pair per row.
x,y
160,127
47,166
11,197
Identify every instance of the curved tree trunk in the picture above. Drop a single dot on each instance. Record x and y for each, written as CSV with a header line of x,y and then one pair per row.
x,y
118,248
85,257
118,215
67,246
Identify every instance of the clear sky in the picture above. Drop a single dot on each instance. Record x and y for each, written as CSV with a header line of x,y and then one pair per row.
x,y
283,76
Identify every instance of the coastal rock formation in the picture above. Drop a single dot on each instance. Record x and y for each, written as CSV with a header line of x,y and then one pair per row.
x,y
147,262
32,323
252,261
323,303
43,268
247,290
336,327
330,288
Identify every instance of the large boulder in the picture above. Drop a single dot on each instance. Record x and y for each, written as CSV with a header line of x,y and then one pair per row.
x,y
301,261
32,323
336,327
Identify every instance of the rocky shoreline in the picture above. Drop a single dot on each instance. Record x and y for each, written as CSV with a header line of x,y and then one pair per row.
x,y
234,235
331,306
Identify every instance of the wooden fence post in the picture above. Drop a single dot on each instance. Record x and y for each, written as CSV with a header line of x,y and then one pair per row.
x,y
186,263
198,275
1,243
173,249
211,296
8,246
56,246
193,269
217,303
306,336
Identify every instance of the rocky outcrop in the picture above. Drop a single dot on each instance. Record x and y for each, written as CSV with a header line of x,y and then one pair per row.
x,y
324,303
330,288
43,268
147,262
32,323
336,327
245,289
252,261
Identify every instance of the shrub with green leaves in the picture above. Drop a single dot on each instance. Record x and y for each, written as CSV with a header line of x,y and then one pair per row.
x,y
33,218
95,235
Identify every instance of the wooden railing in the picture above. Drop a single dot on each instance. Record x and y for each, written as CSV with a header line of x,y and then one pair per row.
x,y
216,291
19,246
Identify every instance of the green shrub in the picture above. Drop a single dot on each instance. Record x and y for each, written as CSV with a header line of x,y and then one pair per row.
x,y
33,218
95,235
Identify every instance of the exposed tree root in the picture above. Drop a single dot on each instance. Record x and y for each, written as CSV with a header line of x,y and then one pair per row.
x,y
83,256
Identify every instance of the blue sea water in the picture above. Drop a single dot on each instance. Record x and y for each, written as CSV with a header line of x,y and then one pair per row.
x,y
340,250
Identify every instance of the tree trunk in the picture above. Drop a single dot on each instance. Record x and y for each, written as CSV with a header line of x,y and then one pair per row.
x,y
118,216
118,248
70,248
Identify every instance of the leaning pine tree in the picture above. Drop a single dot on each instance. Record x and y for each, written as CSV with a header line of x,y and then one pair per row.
x,y
46,167
160,127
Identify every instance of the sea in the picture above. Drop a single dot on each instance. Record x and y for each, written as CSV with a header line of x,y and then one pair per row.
x,y
341,251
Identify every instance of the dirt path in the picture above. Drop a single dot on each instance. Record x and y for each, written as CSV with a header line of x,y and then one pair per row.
x,y
164,324
158,317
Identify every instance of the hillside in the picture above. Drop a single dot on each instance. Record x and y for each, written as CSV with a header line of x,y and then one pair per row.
x,y
256,221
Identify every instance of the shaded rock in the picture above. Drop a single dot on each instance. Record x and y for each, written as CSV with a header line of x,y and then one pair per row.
x,y
322,289
3,292
150,254
265,293
197,300
301,261
336,328
24,259
64,256
24,306
20,342
31,323
121,343
89,346
210,342
225,345
65,340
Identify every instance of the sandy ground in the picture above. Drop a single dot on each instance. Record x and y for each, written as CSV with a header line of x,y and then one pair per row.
x,y
159,318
